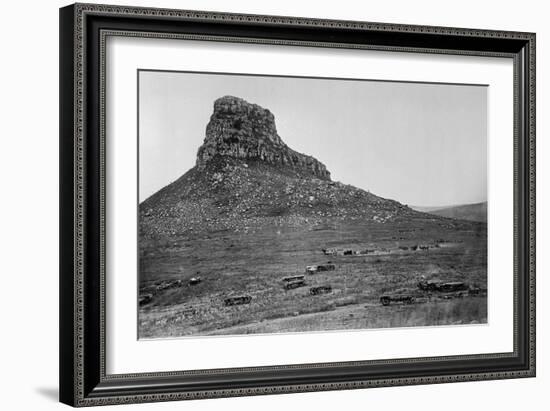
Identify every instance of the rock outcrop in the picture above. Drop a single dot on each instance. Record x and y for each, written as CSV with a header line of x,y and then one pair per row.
x,y
247,179
246,131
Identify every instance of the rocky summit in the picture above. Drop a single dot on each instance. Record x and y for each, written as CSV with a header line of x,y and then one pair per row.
x,y
246,177
246,131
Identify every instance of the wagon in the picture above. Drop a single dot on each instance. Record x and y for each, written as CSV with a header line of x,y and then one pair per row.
x,y
453,286
452,295
474,290
387,299
312,269
244,299
293,278
324,289
167,284
442,286
290,285
194,280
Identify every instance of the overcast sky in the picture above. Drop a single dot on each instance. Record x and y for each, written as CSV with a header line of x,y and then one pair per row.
x,y
420,144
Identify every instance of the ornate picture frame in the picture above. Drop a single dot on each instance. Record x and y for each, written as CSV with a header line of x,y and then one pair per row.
x,y
84,30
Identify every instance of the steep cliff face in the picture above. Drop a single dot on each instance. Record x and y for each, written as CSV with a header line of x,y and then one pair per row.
x,y
241,130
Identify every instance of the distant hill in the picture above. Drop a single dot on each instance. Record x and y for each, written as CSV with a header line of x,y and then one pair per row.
x,y
470,212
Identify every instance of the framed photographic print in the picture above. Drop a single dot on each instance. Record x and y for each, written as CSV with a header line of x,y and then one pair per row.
x,y
261,204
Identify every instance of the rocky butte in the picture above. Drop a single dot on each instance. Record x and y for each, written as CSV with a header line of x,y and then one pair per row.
x,y
247,131
245,176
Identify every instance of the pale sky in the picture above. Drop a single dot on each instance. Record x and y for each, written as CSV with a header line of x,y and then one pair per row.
x,y
420,144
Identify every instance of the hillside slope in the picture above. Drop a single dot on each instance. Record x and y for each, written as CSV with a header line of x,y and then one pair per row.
x,y
470,212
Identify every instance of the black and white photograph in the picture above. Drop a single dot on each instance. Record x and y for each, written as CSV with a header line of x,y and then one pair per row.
x,y
258,204
274,204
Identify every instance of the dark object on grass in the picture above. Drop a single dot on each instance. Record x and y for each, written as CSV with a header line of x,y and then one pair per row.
x,y
194,281
293,278
397,298
474,290
442,286
324,289
165,285
145,299
244,299
290,285
452,295
311,269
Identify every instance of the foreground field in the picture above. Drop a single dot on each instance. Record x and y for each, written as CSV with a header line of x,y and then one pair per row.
x,y
253,262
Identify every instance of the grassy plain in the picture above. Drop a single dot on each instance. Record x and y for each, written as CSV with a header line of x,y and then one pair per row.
x,y
253,262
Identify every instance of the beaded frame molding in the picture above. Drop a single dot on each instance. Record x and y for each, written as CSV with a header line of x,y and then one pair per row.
x,y
83,32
